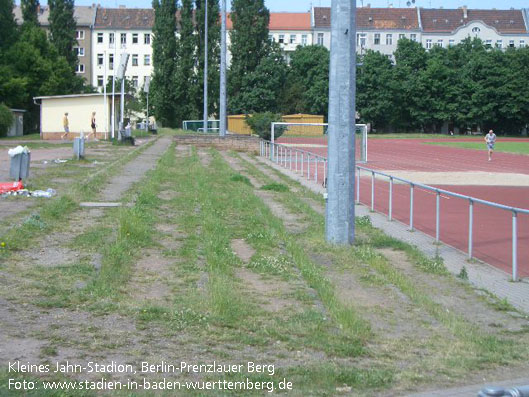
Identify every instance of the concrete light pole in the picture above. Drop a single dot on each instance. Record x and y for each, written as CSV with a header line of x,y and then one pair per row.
x,y
340,211
206,68
222,130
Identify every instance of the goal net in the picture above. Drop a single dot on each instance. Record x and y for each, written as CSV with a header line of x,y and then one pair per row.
x,y
312,138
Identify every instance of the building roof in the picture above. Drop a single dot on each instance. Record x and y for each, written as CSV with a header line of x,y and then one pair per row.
x,y
447,21
73,95
124,18
84,15
282,21
373,18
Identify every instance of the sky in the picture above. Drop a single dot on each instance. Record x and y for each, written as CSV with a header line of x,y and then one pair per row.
x,y
305,5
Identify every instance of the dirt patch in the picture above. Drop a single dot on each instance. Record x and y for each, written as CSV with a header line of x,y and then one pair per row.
x,y
271,293
168,195
267,171
292,222
148,282
204,157
242,249
457,297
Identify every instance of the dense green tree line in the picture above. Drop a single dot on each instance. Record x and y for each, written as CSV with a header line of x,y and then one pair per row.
x,y
468,86
31,65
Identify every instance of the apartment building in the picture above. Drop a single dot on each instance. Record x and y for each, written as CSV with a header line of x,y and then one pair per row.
x,y
122,30
379,29
290,30
84,17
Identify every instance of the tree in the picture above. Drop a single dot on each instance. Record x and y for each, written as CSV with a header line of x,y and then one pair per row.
x,y
164,59
249,44
186,88
375,95
309,73
261,89
8,27
30,10
62,29
6,119
213,55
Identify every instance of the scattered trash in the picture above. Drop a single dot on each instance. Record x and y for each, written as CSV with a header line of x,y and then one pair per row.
x,y
18,150
59,161
28,193
10,186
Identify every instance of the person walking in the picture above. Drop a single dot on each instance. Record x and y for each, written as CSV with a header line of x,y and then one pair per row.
x,y
490,140
65,124
93,123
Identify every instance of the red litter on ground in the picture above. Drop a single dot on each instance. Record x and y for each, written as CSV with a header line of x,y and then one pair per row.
x,y
10,186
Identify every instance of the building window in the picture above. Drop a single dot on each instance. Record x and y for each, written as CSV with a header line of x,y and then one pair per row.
x,y
79,51
111,38
320,38
413,37
79,68
389,39
451,43
147,60
100,38
147,38
511,43
402,36
79,34
281,38
100,59
428,44
111,61
476,30
135,81
377,39
440,43
304,39
134,38
270,37
488,43
522,43
361,39
134,59
292,39
123,38
499,44
100,81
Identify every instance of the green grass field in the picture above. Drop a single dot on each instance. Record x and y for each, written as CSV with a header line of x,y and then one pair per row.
x,y
507,147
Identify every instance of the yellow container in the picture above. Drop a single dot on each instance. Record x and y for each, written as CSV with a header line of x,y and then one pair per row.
x,y
237,125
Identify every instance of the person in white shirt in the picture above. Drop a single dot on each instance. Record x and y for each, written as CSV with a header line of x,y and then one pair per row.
x,y
490,140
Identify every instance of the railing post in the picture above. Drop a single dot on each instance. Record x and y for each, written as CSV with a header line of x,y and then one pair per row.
x,y
308,166
296,161
390,209
514,247
411,206
470,227
316,170
302,164
324,172
358,185
372,190
437,213
290,159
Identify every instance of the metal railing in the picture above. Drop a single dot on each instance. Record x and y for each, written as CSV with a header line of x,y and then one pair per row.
x,y
283,155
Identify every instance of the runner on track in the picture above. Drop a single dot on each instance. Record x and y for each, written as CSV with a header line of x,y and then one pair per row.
x,y
490,139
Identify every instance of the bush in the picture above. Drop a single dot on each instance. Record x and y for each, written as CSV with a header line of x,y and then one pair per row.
x,y
6,119
260,123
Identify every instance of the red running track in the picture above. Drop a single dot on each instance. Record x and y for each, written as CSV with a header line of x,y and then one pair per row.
x,y
492,230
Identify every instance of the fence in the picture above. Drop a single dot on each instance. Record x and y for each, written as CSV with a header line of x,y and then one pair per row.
x,y
315,168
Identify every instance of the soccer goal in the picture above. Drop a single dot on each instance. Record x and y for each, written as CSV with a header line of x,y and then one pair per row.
x,y
312,137
198,125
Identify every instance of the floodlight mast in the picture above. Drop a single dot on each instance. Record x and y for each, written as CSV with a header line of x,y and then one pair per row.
x,y
121,74
340,211
146,88
223,100
206,68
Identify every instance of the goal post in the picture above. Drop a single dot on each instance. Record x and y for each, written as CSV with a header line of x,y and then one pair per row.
x,y
312,137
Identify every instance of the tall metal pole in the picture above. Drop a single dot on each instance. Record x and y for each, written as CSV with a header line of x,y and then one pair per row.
x,y
206,68
222,131
340,211
105,99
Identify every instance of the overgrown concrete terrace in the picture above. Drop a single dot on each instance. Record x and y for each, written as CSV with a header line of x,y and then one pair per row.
x,y
217,256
